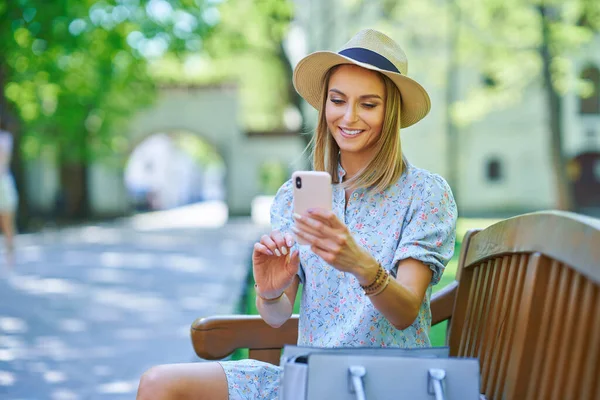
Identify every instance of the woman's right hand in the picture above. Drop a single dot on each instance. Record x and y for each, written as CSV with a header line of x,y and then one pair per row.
x,y
273,266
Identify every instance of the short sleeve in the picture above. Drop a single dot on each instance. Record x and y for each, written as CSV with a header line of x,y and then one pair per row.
x,y
429,231
281,214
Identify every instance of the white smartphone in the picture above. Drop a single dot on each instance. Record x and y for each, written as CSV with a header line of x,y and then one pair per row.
x,y
312,189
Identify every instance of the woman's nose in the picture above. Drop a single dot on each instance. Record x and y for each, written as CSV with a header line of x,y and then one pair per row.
x,y
351,114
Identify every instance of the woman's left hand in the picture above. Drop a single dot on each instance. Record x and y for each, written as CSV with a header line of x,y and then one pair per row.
x,y
330,239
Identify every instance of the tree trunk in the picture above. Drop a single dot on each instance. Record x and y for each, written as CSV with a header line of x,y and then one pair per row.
x,y
554,102
73,179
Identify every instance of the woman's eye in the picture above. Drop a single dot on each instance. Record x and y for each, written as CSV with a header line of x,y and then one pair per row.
x,y
369,105
336,101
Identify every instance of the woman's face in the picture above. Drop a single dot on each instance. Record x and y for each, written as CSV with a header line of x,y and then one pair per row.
x,y
355,110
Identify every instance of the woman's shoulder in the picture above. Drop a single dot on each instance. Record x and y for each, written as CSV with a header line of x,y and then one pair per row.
x,y
285,190
284,196
419,188
281,208
419,178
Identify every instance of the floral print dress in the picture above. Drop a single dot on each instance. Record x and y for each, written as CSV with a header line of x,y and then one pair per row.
x,y
413,218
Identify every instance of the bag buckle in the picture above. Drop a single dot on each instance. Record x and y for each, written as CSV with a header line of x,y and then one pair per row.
x,y
436,383
355,381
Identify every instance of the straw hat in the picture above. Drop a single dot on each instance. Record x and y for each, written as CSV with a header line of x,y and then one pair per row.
x,y
372,50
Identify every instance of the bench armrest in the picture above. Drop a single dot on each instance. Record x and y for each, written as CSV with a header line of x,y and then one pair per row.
x,y
215,338
442,303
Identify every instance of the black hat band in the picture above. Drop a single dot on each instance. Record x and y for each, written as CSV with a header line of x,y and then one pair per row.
x,y
369,57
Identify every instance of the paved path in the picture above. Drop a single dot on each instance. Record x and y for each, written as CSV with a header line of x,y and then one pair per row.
x,y
89,309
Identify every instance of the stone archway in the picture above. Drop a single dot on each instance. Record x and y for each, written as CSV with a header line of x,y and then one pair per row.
x,y
208,113
211,113
173,169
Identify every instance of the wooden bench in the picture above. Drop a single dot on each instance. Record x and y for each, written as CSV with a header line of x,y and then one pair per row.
x,y
526,303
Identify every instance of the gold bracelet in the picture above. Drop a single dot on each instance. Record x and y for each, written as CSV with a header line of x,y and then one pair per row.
x,y
274,299
376,288
386,283
380,274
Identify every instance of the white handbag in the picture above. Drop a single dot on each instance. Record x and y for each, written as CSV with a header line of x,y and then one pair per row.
x,y
377,373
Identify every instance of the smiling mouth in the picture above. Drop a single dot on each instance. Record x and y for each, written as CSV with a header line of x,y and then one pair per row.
x,y
350,132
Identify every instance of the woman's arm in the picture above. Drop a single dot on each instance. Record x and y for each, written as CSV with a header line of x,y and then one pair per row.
x,y
401,300
330,239
277,312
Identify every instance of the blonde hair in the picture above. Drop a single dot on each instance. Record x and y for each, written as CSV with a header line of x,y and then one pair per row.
x,y
386,166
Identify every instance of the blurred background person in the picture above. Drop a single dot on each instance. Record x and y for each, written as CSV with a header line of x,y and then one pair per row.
x,y
8,194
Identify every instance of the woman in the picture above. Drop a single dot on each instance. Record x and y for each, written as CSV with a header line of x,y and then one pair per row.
x,y
8,194
373,259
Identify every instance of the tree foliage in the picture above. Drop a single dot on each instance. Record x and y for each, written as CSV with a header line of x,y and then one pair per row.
x,y
510,46
254,50
245,47
501,40
74,71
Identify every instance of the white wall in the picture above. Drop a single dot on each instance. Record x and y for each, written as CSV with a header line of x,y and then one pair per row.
x,y
519,138
42,181
252,152
107,193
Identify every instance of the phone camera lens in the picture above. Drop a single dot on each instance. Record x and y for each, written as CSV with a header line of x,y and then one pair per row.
x,y
298,182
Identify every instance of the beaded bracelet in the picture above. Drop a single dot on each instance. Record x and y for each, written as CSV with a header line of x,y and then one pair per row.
x,y
375,289
382,279
381,289
378,276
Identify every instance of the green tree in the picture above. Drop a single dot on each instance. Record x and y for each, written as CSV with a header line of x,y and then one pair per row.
x,y
513,44
255,51
245,47
72,72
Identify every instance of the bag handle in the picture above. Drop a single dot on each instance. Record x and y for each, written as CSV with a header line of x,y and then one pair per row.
x,y
436,378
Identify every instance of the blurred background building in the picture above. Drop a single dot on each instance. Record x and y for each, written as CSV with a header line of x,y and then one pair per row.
x,y
214,160
514,125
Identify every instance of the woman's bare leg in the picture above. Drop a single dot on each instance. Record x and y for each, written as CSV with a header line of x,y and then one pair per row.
x,y
198,381
8,229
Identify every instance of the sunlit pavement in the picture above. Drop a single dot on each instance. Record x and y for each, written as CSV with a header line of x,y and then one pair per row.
x,y
87,310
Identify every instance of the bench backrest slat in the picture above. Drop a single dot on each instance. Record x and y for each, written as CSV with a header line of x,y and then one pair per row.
x,y
561,342
528,306
492,320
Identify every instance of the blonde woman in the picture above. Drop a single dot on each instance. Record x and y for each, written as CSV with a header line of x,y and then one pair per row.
x,y
372,261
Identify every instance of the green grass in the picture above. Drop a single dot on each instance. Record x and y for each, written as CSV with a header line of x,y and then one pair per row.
x,y
438,332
